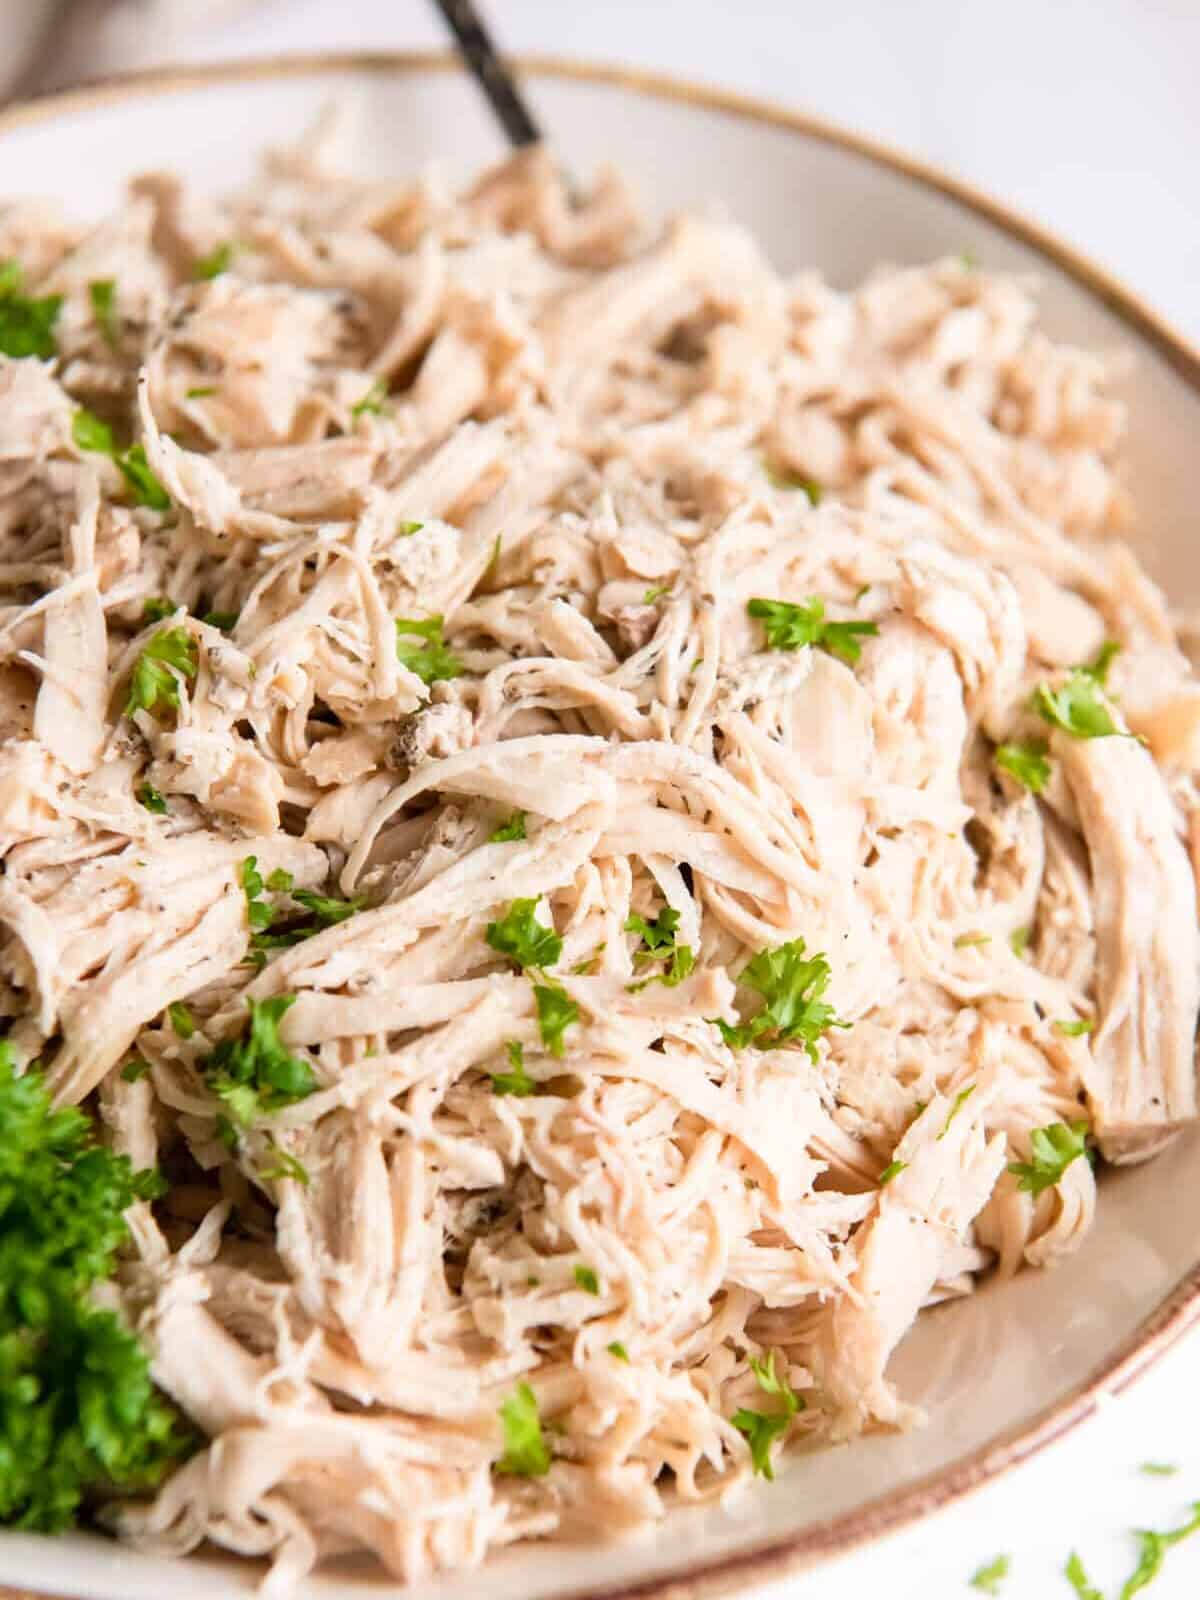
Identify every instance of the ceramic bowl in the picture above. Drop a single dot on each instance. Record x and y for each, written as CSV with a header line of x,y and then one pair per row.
x,y
1006,1371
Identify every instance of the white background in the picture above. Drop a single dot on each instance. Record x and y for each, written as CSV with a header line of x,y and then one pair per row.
x,y
1085,114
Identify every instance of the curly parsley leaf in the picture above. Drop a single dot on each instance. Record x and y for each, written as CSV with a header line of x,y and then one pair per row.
x,y
516,1081
658,941
988,1578
90,433
102,294
78,1410
525,1453
431,660
1052,1150
1027,761
255,1074
508,831
556,1011
154,686
26,325
147,795
1077,706
327,910
521,937
791,984
218,260
791,627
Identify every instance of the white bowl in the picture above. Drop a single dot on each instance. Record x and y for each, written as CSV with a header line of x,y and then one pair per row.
x,y
1009,1369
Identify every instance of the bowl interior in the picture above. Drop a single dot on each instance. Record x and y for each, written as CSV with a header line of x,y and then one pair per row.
x,y
996,1372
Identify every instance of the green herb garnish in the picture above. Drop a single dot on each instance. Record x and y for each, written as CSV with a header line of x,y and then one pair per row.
x,y
91,434
791,984
791,627
431,660
517,1081
513,829
892,1170
1077,706
1075,1575
658,940
617,1350
959,1101
521,937
154,687
102,294
255,1074
179,1015
1027,761
556,1011
1076,1028
587,1280
217,261
374,401
525,1453
782,478
26,325
1052,1149
147,795
1152,1552
287,1166
989,1578
1018,941
761,1429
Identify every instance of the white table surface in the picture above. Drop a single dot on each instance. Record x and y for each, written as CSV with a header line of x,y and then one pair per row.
x,y
1085,114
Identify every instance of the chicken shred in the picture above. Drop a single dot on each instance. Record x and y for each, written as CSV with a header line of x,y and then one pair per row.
x,y
449,597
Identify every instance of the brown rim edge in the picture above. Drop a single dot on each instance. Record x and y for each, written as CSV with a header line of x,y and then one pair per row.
x,y
1180,1309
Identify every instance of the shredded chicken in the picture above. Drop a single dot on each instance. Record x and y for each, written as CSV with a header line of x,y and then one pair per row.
x,y
462,502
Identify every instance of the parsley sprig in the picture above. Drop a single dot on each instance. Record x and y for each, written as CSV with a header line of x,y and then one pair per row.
x,y
432,659
760,1428
659,943
517,1080
791,984
171,654
324,911
255,1074
26,324
1027,761
93,435
78,1411
1052,1150
521,937
556,1011
791,627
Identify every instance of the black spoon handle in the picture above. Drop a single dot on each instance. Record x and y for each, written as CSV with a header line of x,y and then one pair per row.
x,y
493,76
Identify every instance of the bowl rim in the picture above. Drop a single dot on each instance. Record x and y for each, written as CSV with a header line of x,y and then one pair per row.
x,y
1179,1310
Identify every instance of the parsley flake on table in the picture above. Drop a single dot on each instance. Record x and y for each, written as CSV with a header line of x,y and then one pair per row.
x,y
521,937
1027,761
1158,1469
79,1413
525,1453
1152,1551
791,984
791,627
1077,1577
517,1080
26,324
431,660
987,1579
1052,1150
154,685
509,831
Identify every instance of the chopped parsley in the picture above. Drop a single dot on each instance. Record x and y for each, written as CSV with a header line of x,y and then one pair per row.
x,y
256,1074
1075,1575
989,1578
26,324
1075,1029
791,985
508,831
225,621
280,880
217,261
375,402
326,910
525,1453
134,1069
286,1166
179,1015
79,1414
892,1170
147,795
587,1280
516,1081
1077,706
1158,1469
972,941
556,1011
791,627
154,687
259,914
760,1429
658,940
431,660
617,1350
1027,762
521,937
1105,657
203,391
959,1101
1018,941
781,478
653,596
102,294
1152,1552
157,608
1052,1150
91,434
